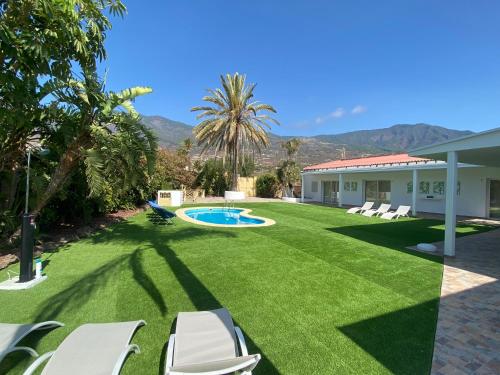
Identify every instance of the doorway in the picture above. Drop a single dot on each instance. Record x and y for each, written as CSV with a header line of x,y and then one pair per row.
x,y
378,191
330,192
494,209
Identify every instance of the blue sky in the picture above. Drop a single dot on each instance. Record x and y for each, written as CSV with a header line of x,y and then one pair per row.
x,y
327,66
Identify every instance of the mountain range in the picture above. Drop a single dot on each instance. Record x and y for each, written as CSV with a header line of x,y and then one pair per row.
x,y
321,148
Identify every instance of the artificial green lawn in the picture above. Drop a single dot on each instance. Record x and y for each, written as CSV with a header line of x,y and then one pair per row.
x,y
320,292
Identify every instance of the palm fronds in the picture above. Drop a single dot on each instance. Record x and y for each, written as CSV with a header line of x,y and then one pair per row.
x,y
233,121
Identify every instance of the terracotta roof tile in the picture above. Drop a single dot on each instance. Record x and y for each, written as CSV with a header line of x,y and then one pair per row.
x,y
366,162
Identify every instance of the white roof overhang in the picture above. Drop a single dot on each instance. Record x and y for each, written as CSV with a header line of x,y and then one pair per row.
x,y
385,168
480,149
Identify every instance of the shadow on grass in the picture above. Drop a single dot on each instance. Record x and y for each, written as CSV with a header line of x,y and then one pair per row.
x,y
398,235
70,299
402,341
157,219
145,281
201,297
79,292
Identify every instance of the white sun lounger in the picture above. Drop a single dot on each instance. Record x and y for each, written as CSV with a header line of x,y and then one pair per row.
x,y
366,206
379,211
401,211
206,343
91,349
11,334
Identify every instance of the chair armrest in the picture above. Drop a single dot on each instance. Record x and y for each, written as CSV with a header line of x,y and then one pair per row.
x,y
241,341
119,363
30,370
169,358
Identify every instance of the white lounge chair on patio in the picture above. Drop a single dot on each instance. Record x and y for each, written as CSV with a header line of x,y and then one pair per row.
x,y
206,343
401,211
379,211
91,349
365,207
11,334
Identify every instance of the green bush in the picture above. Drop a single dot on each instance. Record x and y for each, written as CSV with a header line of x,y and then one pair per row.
x,y
213,177
267,186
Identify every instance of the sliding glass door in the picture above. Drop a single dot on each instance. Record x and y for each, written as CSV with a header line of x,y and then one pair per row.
x,y
378,191
494,209
330,191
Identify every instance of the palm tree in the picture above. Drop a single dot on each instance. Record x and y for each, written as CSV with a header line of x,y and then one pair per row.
x,y
233,122
288,171
292,147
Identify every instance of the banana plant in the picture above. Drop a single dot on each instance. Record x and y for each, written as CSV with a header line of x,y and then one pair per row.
x,y
103,131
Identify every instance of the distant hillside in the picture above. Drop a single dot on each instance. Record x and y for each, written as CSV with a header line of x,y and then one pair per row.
x,y
320,148
170,133
401,137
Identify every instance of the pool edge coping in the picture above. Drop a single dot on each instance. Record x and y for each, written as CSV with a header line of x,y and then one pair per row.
x,y
245,211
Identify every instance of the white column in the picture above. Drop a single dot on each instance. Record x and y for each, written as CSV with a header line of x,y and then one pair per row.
x,y
341,189
451,206
302,188
414,193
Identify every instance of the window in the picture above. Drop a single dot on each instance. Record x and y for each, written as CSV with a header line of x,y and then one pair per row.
x,y
314,186
438,187
409,187
425,187
378,191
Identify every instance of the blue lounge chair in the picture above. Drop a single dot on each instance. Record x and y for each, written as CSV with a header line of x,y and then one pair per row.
x,y
163,213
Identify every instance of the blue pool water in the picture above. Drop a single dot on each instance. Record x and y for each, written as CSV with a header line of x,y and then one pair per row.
x,y
228,216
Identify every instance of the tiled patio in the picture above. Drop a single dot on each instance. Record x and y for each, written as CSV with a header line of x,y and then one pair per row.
x,y
468,330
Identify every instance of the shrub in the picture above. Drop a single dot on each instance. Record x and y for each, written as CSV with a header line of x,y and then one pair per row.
x,y
267,186
172,171
213,177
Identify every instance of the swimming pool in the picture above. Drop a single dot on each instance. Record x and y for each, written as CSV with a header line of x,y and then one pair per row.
x,y
220,216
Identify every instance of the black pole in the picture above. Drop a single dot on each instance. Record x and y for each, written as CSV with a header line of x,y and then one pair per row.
x,y
28,242
27,234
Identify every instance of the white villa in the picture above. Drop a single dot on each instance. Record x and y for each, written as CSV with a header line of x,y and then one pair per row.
x,y
458,177
391,179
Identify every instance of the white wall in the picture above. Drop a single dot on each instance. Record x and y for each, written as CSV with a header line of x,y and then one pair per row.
x,y
472,201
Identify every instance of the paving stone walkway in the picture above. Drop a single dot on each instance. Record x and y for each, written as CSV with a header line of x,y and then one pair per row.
x,y
468,330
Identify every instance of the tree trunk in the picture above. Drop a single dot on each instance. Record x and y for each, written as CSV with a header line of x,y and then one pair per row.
x,y
14,180
68,162
234,184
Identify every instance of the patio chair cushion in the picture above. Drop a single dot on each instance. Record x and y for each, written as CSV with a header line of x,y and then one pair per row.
x,y
204,336
91,349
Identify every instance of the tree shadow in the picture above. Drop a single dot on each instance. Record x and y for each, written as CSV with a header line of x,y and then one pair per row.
x,y
68,300
200,296
79,292
145,281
